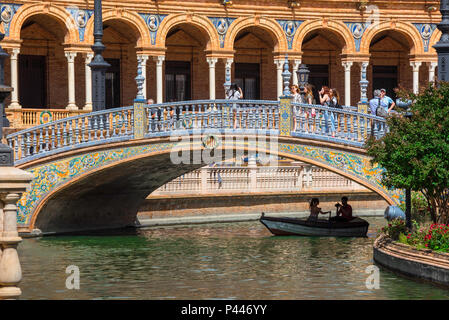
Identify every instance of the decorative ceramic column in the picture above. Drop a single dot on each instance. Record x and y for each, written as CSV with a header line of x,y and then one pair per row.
x,y
347,65
71,74
88,80
13,182
363,82
415,66
143,58
14,79
296,64
212,62
159,87
228,66
279,65
432,66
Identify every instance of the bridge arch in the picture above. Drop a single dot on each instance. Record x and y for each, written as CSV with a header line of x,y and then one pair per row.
x,y
202,24
407,30
103,186
266,24
337,28
59,14
131,19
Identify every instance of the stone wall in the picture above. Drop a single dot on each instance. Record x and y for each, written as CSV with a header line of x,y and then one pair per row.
x,y
177,206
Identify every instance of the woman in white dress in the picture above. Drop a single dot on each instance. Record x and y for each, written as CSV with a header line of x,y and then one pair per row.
x,y
234,93
296,98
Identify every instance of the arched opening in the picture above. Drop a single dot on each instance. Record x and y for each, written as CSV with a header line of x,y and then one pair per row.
x,y
390,62
186,68
120,39
110,194
42,65
254,68
321,52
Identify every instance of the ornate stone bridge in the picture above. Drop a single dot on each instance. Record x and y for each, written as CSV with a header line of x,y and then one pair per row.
x,y
94,170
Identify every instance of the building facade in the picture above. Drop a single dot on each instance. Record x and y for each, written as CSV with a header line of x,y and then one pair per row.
x,y
185,46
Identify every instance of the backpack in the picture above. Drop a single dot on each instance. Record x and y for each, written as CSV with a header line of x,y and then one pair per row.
x,y
380,111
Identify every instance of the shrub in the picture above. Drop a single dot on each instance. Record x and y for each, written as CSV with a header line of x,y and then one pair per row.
x,y
394,228
437,238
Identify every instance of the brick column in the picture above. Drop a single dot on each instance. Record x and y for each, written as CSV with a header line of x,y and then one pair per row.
x,y
296,64
432,66
279,65
415,65
71,75
212,62
347,65
88,79
14,79
159,78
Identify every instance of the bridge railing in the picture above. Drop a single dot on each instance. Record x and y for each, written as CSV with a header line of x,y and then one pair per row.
x,y
68,133
235,179
335,124
241,116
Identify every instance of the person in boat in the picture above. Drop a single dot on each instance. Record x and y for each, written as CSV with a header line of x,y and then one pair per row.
x,y
344,211
315,210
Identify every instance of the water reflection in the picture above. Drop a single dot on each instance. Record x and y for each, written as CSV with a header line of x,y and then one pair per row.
x,y
215,261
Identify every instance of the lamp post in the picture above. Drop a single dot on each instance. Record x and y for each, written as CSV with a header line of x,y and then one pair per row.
x,y
98,65
408,191
6,153
442,46
303,77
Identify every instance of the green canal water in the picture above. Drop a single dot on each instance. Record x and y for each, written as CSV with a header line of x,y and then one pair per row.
x,y
213,261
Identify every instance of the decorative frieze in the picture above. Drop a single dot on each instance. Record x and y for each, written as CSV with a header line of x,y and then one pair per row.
x,y
290,27
81,16
222,26
425,30
153,22
7,11
357,30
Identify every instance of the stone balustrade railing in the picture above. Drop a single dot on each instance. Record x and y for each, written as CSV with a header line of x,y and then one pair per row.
x,y
211,180
240,117
27,118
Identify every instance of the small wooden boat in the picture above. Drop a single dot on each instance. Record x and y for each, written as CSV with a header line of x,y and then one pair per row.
x,y
282,226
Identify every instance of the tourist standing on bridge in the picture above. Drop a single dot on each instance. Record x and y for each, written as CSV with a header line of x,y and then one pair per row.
x,y
325,100
374,105
309,99
386,101
334,103
296,98
234,93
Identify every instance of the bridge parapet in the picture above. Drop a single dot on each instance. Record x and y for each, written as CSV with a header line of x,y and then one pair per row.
x,y
314,122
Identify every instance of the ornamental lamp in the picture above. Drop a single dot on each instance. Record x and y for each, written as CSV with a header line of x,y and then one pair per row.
x,y
303,76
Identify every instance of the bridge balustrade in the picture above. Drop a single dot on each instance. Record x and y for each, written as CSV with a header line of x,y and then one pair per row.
x,y
237,179
242,116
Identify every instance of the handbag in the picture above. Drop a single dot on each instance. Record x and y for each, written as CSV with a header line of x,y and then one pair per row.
x,y
380,111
